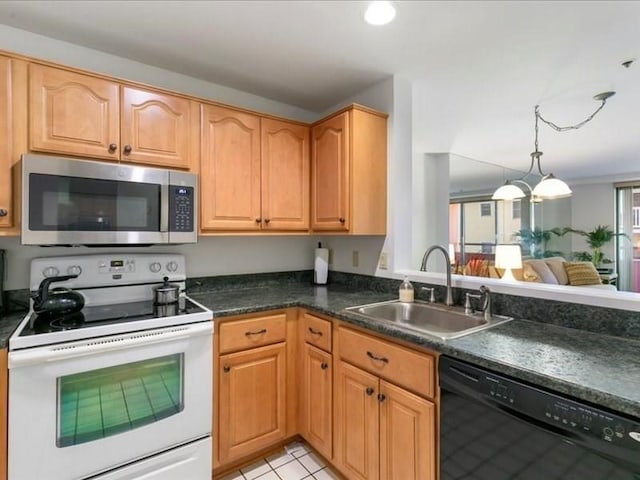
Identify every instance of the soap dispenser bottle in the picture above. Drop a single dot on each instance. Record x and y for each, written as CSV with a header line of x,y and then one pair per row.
x,y
405,292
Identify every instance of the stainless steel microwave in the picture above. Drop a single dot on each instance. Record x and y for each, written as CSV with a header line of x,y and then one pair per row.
x,y
78,202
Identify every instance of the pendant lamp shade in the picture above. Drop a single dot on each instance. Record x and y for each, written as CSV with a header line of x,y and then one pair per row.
x,y
508,191
551,187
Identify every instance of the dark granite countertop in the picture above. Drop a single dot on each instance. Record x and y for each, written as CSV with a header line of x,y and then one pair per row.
x,y
601,369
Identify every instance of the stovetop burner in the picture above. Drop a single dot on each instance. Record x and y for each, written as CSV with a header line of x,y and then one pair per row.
x,y
65,322
97,315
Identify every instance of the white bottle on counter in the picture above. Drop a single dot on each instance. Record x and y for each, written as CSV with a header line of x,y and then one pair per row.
x,y
405,292
321,265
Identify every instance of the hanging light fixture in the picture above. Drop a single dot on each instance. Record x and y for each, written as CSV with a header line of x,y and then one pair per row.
x,y
549,187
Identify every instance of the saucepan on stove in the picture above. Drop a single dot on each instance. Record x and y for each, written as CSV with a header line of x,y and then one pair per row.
x,y
57,301
167,293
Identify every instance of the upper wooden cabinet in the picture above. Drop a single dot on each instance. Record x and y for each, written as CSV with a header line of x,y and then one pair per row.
x,y
285,175
229,170
349,172
73,113
254,172
76,114
156,128
13,131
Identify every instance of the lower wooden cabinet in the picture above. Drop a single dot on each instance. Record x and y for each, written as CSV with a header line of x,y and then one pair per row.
x,y
317,383
252,397
382,431
365,403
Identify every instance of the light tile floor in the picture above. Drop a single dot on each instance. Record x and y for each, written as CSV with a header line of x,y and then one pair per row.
x,y
295,462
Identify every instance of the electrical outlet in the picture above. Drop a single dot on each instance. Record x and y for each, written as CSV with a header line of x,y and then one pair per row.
x,y
383,264
331,256
355,258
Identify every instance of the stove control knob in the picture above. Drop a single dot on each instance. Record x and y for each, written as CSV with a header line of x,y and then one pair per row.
x,y
172,266
74,270
155,267
50,272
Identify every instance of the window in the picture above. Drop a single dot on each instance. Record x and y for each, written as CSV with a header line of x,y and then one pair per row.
x,y
104,402
516,209
485,209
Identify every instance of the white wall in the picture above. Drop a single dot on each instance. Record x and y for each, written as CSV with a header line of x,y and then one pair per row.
x,y
593,205
45,48
430,206
210,256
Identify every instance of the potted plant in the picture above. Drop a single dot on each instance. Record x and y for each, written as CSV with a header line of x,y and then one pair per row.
x,y
596,239
535,241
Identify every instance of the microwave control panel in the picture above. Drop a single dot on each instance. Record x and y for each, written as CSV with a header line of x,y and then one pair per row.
x,y
181,208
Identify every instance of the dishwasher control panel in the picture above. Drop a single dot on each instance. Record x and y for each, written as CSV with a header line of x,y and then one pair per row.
x,y
552,411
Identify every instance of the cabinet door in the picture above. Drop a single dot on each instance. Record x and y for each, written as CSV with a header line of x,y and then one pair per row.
x,y
230,170
252,400
155,128
73,113
357,423
407,435
317,400
285,175
6,191
330,174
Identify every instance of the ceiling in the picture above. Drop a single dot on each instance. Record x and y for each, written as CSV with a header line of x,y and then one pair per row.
x,y
477,68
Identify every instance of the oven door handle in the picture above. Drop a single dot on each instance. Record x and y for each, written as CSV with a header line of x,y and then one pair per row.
x,y
56,353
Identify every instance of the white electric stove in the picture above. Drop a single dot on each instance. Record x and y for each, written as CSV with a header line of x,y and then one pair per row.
x,y
121,389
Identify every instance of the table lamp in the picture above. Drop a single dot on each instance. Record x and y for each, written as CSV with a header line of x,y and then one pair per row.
x,y
508,257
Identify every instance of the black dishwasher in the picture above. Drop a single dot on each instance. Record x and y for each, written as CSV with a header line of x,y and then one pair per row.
x,y
493,427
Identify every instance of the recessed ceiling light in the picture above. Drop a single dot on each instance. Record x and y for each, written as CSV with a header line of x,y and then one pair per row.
x,y
380,13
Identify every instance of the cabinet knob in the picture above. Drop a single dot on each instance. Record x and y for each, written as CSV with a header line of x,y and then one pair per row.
x,y
226,369
369,391
267,220
112,147
4,212
341,220
127,149
324,366
258,220
381,397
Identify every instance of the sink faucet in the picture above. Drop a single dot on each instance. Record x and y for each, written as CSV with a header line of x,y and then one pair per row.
x,y
423,268
486,304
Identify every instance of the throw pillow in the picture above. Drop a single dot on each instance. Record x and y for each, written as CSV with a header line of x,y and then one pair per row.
x,y
528,273
556,265
543,271
582,273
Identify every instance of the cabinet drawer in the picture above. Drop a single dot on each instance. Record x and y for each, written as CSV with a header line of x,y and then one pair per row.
x,y
252,332
400,365
316,331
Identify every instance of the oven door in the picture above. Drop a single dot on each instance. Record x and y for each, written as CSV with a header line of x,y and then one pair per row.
x,y
76,202
82,408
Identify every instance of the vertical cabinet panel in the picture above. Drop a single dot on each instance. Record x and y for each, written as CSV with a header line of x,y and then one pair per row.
x,y
330,174
73,113
357,423
317,399
230,170
285,175
252,400
155,128
6,191
4,401
407,435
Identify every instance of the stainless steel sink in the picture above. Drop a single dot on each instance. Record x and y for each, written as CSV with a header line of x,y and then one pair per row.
x,y
436,320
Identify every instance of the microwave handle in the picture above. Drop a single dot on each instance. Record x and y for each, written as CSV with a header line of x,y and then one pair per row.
x,y
164,207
